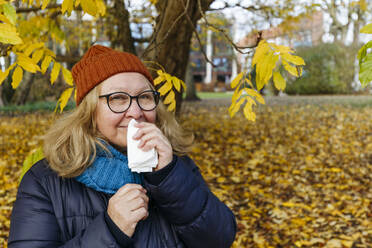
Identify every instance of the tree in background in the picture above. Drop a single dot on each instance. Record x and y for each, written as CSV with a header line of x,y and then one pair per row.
x,y
37,36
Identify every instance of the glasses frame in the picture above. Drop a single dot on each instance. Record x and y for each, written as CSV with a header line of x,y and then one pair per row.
x,y
156,95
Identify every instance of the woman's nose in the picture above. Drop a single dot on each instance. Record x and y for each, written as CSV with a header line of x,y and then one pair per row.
x,y
134,110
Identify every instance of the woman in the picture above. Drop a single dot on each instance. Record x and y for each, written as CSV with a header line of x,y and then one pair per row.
x,y
83,193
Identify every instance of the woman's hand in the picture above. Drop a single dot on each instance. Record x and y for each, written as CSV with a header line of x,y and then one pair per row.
x,y
152,137
128,206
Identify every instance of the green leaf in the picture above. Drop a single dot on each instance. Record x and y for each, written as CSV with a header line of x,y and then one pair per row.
x,y
17,77
31,159
10,13
367,29
365,73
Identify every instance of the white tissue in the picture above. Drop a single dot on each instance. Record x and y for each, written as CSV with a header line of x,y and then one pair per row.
x,y
138,160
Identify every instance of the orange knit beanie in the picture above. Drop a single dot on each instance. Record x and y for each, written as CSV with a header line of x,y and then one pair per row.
x,y
100,63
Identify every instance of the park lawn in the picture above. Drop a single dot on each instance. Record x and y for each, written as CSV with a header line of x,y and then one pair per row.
x,y
300,176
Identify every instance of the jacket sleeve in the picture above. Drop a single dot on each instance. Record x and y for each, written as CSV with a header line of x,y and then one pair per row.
x,y
200,218
34,224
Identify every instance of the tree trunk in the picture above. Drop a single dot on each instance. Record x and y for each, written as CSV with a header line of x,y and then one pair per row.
x,y
25,90
123,38
191,90
172,36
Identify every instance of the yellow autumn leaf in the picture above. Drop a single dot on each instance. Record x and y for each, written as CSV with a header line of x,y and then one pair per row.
x,y
45,64
296,60
160,78
176,83
55,72
32,47
45,4
77,3
68,6
248,112
237,94
169,98
172,106
183,84
249,82
236,80
4,75
62,101
167,86
101,7
67,76
36,56
281,48
255,94
27,63
17,77
4,19
279,81
291,69
89,7
9,35
236,106
261,50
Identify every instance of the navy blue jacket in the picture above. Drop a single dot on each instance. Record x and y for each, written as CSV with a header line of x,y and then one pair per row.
x,y
51,211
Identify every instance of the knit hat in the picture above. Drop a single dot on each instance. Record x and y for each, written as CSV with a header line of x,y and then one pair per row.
x,y
100,63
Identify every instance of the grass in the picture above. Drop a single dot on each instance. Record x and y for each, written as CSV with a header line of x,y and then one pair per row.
x,y
220,99
42,106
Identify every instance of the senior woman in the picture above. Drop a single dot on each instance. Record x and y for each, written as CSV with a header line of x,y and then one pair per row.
x,y
83,193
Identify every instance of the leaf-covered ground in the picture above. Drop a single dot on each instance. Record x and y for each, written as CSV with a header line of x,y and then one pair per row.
x,y
301,176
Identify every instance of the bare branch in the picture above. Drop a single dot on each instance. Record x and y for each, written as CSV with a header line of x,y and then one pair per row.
x,y
227,37
198,38
142,40
35,9
149,48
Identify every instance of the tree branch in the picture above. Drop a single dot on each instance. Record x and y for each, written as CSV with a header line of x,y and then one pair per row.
x,y
227,37
149,48
35,9
198,38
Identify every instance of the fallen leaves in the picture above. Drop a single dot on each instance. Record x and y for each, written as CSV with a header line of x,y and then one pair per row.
x,y
301,176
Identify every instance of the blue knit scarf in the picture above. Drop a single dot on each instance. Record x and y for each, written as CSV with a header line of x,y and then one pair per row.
x,y
109,173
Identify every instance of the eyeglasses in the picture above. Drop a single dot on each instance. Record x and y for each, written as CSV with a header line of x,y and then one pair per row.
x,y
119,102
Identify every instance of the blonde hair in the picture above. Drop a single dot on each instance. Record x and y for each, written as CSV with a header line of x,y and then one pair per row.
x,y
70,144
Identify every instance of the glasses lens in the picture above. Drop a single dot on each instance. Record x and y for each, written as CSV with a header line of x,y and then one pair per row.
x,y
119,102
147,100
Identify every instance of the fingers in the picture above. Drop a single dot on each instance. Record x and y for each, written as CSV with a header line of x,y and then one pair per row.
x,y
129,187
